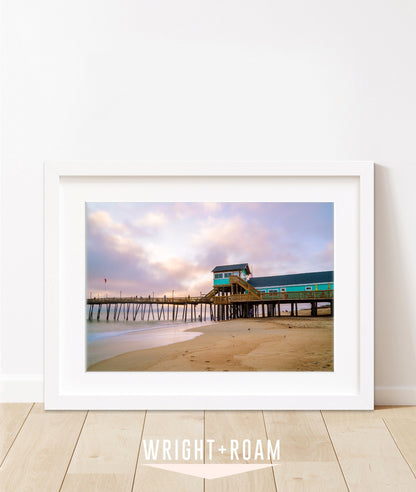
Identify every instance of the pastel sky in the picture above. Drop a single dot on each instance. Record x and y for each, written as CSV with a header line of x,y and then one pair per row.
x,y
143,248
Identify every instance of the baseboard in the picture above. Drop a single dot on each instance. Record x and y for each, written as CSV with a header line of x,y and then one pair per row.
x,y
21,387
395,395
29,388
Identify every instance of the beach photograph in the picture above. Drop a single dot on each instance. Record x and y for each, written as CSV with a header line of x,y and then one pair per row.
x,y
219,286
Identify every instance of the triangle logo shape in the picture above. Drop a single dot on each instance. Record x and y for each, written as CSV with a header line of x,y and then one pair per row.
x,y
209,471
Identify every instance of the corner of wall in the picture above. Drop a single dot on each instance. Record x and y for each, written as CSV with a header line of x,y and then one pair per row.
x,y
395,395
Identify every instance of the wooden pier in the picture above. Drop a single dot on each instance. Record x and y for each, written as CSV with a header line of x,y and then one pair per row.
x,y
151,308
218,305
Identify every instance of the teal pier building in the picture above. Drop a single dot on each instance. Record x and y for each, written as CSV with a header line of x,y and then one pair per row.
x,y
236,290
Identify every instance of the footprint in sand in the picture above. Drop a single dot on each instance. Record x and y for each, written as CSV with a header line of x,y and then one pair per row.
x,y
228,360
207,361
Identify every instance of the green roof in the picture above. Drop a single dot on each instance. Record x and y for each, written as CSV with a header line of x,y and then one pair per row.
x,y
231,268
293,279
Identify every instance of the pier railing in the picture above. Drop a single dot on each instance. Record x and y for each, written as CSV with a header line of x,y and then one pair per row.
x,y
222,299
146,300
262,296
283,296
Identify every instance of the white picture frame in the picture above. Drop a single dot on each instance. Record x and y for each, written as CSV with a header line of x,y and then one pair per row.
x,y
350,185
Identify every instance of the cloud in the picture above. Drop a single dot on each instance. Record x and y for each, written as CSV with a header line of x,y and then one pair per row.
x,y
196,210
236,240
160,247
233,235
130,266
153,219
102,221
212,207
324,259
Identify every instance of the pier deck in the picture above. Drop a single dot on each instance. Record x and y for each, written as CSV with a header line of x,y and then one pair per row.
x,y
221,306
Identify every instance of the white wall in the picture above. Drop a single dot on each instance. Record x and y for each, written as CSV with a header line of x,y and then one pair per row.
x,y
229,79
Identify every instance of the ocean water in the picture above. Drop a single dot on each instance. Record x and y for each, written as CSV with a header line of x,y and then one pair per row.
x,y
106,339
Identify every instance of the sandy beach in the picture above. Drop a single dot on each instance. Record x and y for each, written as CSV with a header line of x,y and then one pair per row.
x,y
255,344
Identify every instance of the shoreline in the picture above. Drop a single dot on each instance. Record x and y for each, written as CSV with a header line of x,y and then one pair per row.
x,y
253,344
106,344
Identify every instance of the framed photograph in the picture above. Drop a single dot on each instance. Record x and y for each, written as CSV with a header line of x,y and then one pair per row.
x,y
209,285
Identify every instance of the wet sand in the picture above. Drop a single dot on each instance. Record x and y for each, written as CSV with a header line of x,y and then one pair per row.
x,y
260,344
119,338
